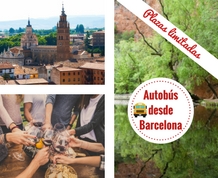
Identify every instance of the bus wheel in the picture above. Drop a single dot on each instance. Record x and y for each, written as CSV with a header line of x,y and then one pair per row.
x,y
135,115
144,115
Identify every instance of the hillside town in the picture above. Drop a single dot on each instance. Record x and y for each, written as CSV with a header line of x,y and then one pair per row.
x,y
66,63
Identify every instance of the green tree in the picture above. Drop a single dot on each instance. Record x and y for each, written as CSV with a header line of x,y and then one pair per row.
x,y
6,76
10,42
11,31
20,30
87,40
77,29
81,28
160,58
51,39
41,40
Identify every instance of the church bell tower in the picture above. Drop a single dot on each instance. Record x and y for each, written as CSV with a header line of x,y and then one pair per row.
x,y
63,37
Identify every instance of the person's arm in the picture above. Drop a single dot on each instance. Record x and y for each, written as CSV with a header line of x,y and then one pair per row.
x,y
95,147
19,138
6,118
27,110
40,159
48,110
30,170
76,111
2,140
89,160
97,118
73,118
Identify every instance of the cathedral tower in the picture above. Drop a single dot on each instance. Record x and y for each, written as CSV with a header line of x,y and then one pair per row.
x,y
63,37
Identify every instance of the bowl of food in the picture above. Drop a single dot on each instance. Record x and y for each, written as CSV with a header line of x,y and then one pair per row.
x,y
60,171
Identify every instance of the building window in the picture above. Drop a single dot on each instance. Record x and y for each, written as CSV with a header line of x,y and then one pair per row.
x,y
63,80
78,79
68,79
78,73
63,74
74,79
68,73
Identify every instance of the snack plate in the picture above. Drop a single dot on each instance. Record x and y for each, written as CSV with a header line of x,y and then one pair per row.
x,y
62,171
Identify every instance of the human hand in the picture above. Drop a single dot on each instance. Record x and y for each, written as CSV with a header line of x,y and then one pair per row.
x,y
75,142
20,137
16,130
72,131
42,156
47,126
68,127
62,159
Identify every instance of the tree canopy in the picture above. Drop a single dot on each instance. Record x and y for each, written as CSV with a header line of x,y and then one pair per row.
x,y
80,28
155,57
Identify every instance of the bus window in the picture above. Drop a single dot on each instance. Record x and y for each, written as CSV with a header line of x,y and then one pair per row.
x,y
140,109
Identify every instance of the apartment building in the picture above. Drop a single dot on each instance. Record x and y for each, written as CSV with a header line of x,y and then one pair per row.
x,y
94,73
67,76
98,39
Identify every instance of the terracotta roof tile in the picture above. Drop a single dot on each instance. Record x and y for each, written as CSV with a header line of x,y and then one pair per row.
x,y
90,65
6,66
62,69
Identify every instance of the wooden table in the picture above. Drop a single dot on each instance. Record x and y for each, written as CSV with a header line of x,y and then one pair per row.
x,y
11,167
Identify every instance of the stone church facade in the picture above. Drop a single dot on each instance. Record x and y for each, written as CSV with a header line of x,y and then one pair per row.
x,y
47,54
28,39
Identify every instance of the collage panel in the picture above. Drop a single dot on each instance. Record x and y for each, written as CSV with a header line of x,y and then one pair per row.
x,y
54,89
144,55
52,43
52,135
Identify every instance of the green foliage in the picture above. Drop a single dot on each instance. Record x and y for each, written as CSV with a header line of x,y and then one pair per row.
x,y
51,39
194,155
134,64
44,32
6,76
10,42
80,28
87,40
41,40
11,30
136,61
123,36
